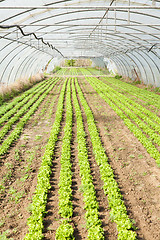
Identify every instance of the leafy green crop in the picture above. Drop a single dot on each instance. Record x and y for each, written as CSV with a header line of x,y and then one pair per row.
x,y
65,183
151,149
19,127
35,221
118,210
95,230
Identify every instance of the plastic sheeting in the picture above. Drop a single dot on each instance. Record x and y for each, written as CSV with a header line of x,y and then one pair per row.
x,y
36,34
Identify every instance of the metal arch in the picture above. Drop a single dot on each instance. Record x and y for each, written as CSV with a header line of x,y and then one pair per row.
x,y
154,61
120,65
14,50
100,43
106,43
134,35
91,10
15,56
124,64
17,41
30,34
118,37
155,68
45,60
135,63
29,62
34,9
12,62
10,59
152,56
70,13
9,62
127,42
29,66
128,67
30,58
145,60
132,60
26,59
98,8
140,65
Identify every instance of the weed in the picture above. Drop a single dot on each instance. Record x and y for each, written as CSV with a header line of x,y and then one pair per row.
x,y
121,148
27,168
2,223
15,196
17,155
124,164
118,76
144,201
38,137
8,165
22,145
18,196
23,179
140,156
144,173
4,235
25,138
8,175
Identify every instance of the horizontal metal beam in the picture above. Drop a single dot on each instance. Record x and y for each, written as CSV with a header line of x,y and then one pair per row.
x,y
103,8
91,39
86,25
84,31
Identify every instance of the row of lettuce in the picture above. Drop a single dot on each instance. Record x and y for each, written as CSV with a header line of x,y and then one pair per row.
x,y
21,112
71,96
144,124
142,96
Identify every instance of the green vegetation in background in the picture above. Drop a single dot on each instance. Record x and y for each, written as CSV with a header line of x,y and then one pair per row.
x,y
70,62
118,76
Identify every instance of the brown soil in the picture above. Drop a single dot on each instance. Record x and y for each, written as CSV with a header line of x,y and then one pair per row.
x,y
135,171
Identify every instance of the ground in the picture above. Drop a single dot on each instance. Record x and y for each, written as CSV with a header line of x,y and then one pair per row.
x,y
135,171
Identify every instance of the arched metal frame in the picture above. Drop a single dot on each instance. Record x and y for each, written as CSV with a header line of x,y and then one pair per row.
x,y
127,32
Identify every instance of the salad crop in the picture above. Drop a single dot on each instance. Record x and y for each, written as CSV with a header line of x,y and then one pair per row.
x,y
39,200
118,210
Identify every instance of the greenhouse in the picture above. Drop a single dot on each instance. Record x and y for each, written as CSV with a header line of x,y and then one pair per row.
x,y
80,119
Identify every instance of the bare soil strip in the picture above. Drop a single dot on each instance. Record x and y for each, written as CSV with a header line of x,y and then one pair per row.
x,y
78,205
